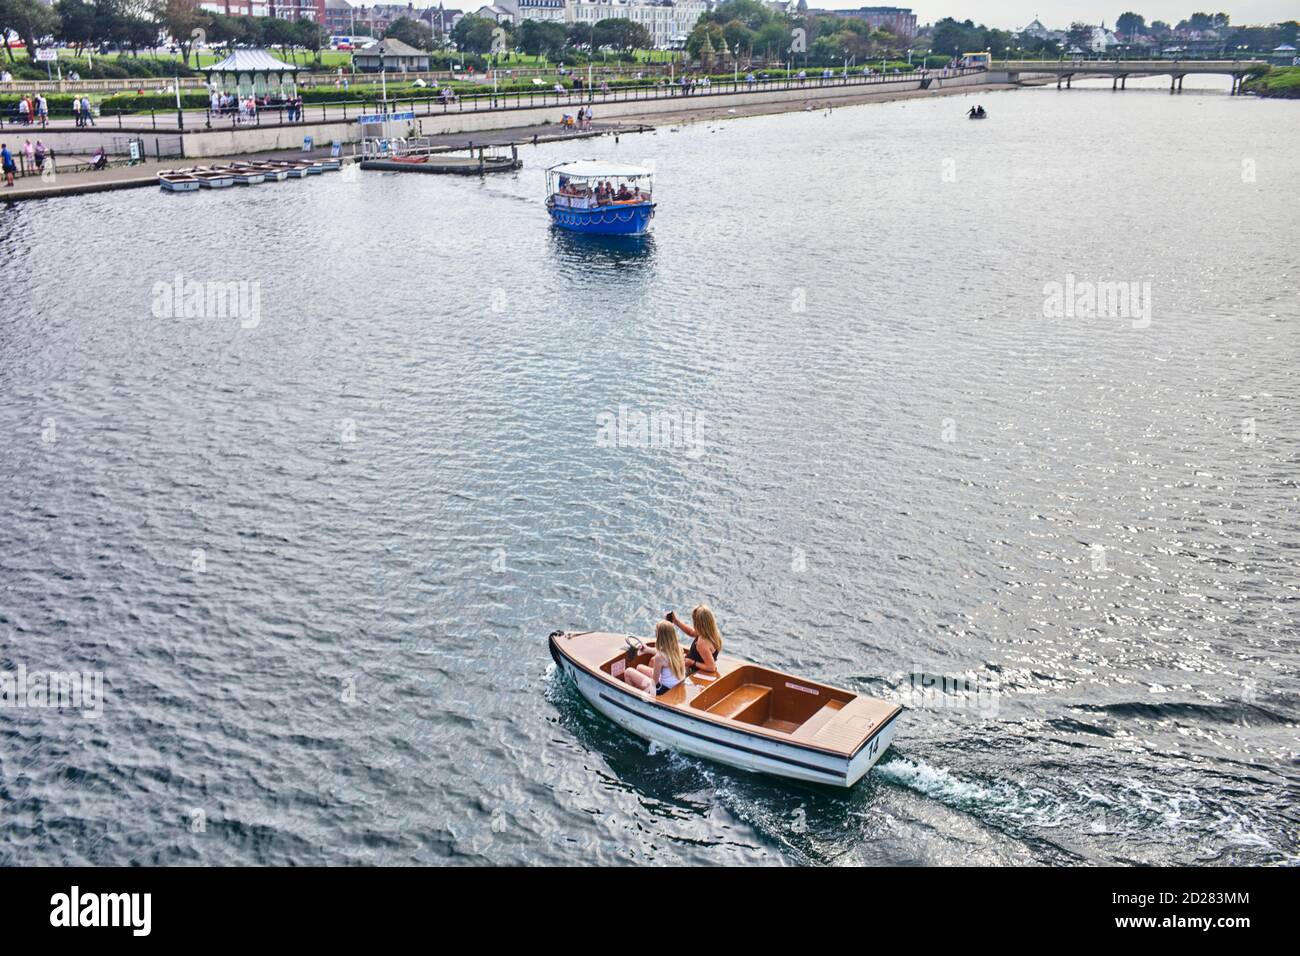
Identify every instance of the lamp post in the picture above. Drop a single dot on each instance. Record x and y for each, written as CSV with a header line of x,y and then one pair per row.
x,y
180,116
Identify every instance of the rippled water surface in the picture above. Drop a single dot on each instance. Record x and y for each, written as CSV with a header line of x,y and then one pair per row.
x,y
317,557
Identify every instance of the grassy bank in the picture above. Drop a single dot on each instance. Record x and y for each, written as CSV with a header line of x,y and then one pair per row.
x,y
1280,81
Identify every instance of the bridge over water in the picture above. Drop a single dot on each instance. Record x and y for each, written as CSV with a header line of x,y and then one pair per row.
x,y
1120,70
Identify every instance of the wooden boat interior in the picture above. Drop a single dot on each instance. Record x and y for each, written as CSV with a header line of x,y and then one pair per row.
x,y
769,701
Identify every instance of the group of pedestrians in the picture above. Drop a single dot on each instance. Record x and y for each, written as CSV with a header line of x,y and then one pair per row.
x,y
246,107
33,109
81,111
34,155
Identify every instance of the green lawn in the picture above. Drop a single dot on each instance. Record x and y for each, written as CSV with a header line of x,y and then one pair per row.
x,y
1280,81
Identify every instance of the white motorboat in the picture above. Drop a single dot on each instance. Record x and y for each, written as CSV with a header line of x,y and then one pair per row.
x,y
745,715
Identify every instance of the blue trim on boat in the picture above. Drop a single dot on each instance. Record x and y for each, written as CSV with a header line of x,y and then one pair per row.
x,y
628,219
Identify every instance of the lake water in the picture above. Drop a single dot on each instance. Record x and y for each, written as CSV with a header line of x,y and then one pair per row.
x,y
315,548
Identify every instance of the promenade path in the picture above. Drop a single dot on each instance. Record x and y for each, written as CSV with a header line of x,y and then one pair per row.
x,y
189,121
146,173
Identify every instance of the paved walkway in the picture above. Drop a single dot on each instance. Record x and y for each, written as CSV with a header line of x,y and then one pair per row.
x,y
146,173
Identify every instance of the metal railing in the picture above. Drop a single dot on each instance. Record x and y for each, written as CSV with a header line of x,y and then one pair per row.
x,y
195,119
541,98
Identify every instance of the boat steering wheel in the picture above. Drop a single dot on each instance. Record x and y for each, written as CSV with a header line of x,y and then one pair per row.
x,y
635,648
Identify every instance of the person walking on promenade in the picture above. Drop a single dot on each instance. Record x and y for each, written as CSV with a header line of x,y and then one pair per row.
x,y
24,111
76,111
29,155
43,108
7,164
39,155
88,116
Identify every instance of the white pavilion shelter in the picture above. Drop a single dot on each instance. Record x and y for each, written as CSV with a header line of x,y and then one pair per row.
x,y
252,73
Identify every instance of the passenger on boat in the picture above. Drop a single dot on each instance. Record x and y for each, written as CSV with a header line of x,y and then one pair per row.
x,y
707,644
623,194
666,669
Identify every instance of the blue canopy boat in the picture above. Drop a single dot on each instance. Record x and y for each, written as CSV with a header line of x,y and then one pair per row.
x,y
605,199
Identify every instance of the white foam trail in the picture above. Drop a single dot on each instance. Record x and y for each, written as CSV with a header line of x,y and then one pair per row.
x,y
935,782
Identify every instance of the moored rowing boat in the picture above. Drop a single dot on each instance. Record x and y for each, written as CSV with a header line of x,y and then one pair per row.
x,y
175,181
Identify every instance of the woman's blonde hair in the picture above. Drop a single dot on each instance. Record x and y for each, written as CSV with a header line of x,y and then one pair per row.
x,y
706,627
667,645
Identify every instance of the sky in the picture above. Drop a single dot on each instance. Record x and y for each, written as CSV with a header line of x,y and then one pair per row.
x,y
1058,14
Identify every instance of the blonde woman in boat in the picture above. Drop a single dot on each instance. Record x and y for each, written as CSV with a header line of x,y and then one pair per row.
x,y
706,645
666,669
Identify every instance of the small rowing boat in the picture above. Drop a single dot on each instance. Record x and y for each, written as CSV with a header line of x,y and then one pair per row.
x,y
178,181
292,170
745,716
270,172
213,178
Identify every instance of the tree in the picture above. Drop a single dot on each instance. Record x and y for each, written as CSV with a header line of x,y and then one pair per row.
x,y
274,32
773,39
181,18
311,36
622,34
473,34
751,13
953,39
1130,25
30,19
414,33
137,33
1079,35
76,23
222,29
707,36
542,37
998,42
739,37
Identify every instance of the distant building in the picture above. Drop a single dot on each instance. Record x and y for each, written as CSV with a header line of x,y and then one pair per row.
x,y
1103,40
545,10
340,17
441,20
380,16
238,8
300,10
391,56
497,13
668,22
1037,31
900,21
280,9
